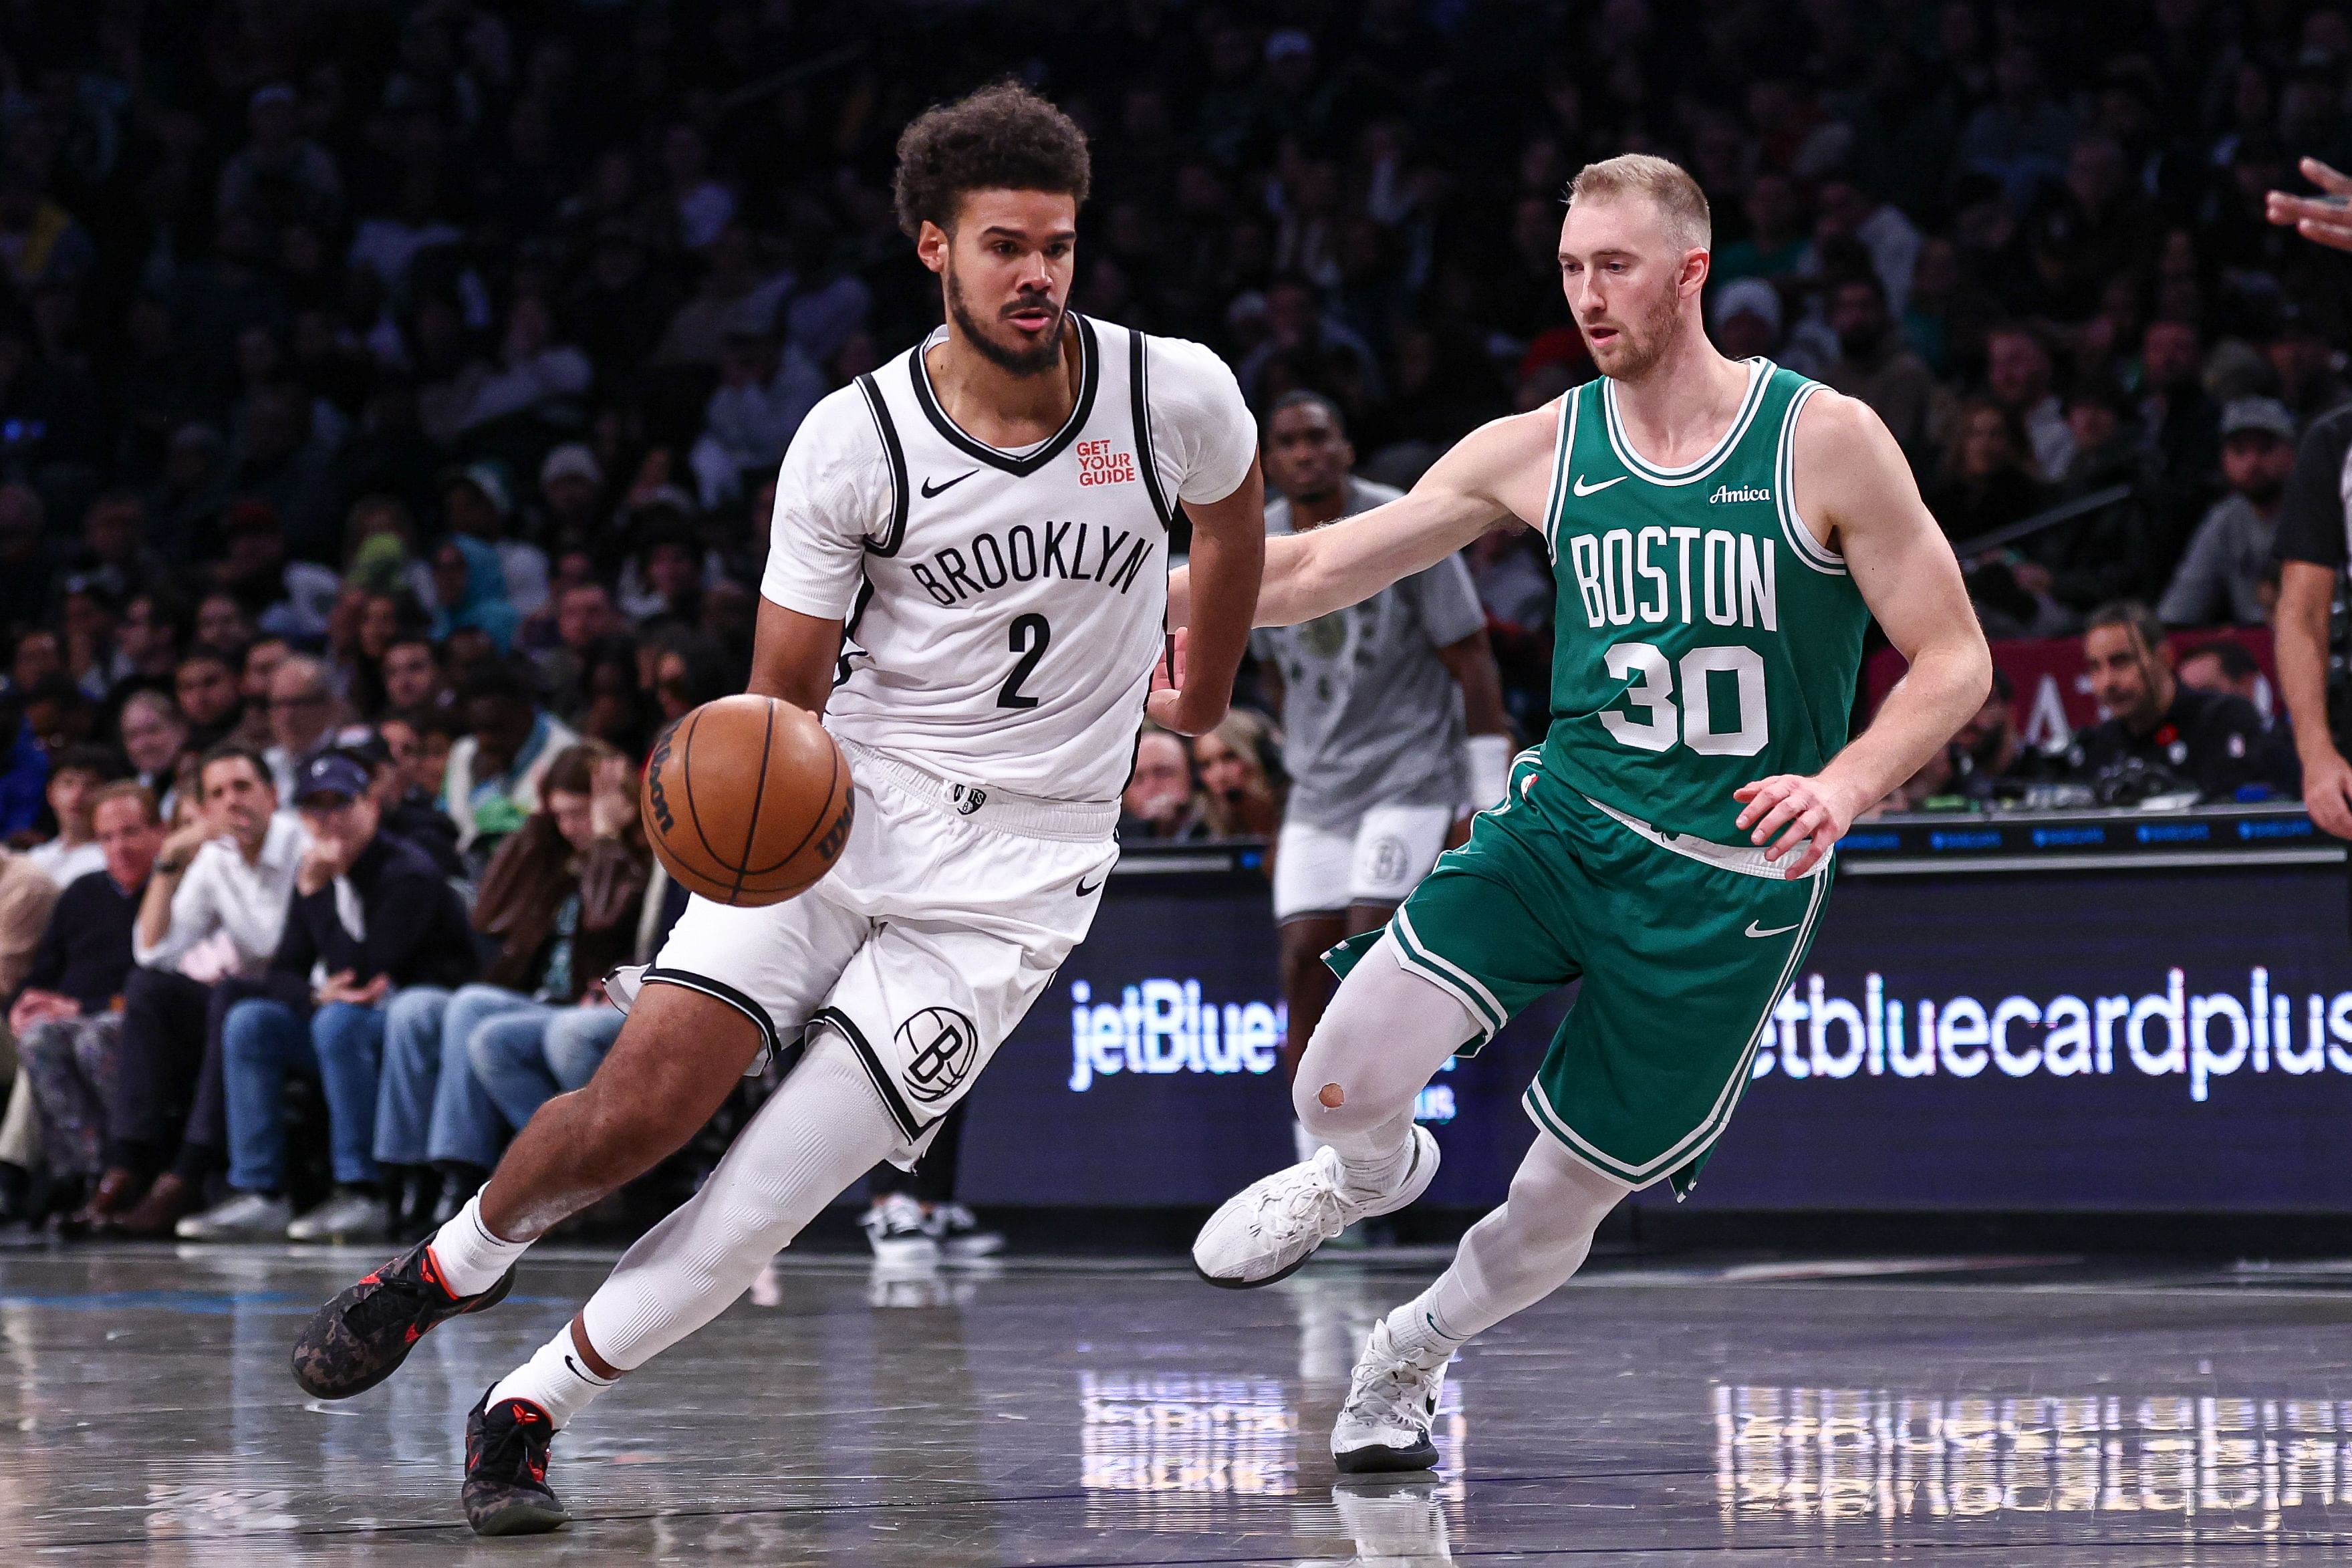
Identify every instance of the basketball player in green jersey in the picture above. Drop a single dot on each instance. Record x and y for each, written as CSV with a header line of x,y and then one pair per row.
x,y
1722,532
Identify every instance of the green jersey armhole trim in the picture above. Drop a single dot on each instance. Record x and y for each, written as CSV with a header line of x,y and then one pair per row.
x,y
1808,549
1760,376
1563,445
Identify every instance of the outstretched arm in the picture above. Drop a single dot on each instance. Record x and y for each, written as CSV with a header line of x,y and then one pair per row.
x,y
1852,475
1500,470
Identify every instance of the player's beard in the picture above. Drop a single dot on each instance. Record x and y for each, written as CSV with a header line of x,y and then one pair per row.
x,y
1045,357
1644,345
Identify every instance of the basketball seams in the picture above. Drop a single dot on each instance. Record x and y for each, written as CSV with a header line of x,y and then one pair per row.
x,y
685,784
758,793
825,816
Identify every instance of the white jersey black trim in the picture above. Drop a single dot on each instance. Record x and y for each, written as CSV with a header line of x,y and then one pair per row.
x,y
884,1084
1138,380
1089,376
896,532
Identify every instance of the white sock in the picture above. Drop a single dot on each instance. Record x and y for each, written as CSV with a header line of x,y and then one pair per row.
x,y
1418,1331
1380,1169
1303,1141
470,1258
556,1380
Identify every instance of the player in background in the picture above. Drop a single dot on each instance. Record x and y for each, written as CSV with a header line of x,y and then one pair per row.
x,y
968,580
1722,532
1392,722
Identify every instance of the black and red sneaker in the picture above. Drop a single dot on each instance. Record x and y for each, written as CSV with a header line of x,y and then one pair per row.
x,y
506,1489
360,1338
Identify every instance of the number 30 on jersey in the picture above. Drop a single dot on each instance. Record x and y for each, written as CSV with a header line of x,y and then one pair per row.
x,y
1662,711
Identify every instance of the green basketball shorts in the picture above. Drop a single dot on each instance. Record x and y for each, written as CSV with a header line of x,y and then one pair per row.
x,y
1684,947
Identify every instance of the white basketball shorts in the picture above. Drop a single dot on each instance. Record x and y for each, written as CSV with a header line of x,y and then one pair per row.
x,y
1323,871
951,909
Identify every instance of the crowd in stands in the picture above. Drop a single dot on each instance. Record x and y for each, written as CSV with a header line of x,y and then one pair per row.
x,y
389,393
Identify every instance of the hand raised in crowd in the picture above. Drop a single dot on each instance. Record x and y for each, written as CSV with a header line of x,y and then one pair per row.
x,y
326,859
340,988
35,1006
2325,218
181,845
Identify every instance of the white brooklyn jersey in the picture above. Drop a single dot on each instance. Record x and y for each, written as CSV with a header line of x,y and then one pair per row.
x,y
1004,608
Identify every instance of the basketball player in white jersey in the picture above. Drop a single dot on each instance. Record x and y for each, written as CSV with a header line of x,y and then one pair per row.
x,y
968,579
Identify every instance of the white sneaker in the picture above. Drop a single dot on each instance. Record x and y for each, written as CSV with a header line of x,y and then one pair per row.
x,y
346,1216
1392,1400
1268,1228
895,1229
957,1230
1395,1521
241,1217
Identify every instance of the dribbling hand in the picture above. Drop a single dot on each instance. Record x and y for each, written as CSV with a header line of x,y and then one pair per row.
x,y
1809,815
1171,704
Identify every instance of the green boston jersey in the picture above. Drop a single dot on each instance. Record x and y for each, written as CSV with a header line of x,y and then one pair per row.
x,y
1705,637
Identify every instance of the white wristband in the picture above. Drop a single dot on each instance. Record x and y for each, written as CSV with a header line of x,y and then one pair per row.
x,y
1489,758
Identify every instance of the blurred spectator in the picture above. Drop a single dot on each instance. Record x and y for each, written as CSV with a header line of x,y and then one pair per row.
x,y
561,899
205,686
765,390
1874,365
2222,666
2228,573
2017,376
479,507
76,776
1235,763
66,1017
213,915
1160,801
2162,737
371,914
303,713
154,737
27,899
1987,761
2102,553
495,768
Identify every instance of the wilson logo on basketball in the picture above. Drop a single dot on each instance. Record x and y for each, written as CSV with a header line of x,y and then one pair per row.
x,y
657,800
829,847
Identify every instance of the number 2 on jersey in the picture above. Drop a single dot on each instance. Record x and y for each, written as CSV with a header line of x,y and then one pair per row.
x,y
1652,695
1029,635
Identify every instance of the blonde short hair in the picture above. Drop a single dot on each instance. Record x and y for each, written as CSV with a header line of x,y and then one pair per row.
x,y
1667,184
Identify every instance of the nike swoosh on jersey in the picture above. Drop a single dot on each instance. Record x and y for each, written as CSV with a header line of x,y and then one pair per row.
x,y
930,489
1581,488
1775,931
1087,892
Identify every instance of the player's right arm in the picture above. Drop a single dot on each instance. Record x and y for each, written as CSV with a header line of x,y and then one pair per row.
x,y
833,495
1500,470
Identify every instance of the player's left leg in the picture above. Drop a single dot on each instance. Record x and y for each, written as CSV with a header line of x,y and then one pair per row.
x,y
1508,1261
820,1132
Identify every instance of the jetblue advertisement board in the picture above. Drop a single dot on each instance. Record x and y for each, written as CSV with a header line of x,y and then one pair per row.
x,y
2148,1038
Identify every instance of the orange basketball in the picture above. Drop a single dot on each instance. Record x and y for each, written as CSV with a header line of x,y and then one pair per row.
x,y
747,800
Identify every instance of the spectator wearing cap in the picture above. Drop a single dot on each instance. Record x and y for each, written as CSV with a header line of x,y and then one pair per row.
x,y
209,923
66,1016
2227,575
570,487
303,713
478,504
561,899
495,769
765,390
369,914
1745,317
76,776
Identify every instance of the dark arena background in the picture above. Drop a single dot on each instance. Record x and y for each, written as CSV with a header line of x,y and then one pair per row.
x,y
400,388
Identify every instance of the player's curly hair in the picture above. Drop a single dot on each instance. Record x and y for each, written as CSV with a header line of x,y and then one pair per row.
x,y
1002,138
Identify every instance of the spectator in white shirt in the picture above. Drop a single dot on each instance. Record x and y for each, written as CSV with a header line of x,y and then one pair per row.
x,y
74,853
214,910
765,390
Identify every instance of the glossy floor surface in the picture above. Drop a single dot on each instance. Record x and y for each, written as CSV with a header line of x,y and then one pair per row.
x,y
1963,1411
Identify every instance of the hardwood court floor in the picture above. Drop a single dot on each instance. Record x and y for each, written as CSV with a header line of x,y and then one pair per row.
x,y
1117,1411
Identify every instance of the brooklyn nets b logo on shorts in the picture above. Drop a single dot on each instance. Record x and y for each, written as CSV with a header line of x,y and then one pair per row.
x,y
941,1045
1391,859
